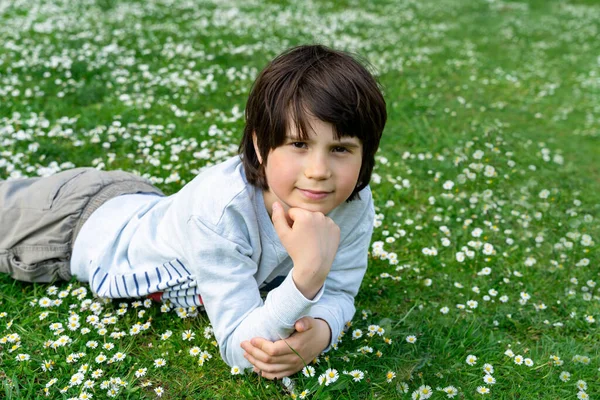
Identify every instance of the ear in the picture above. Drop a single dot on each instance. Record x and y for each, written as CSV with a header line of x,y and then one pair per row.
x,y
256,150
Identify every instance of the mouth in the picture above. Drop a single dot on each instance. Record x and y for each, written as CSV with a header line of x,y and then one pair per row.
x,y
314,194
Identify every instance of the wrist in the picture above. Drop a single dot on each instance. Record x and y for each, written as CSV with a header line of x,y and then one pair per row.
x,y
326,329
308,286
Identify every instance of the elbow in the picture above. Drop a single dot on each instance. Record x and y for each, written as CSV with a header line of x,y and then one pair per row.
x,y
233,355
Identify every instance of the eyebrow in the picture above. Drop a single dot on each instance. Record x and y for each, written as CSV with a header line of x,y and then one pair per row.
x,y
349,144
342,142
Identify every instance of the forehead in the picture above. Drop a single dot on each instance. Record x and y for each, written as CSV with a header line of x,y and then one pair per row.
x,y
316,128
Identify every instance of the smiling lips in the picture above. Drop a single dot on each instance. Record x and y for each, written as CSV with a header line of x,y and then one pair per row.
x,y
314,194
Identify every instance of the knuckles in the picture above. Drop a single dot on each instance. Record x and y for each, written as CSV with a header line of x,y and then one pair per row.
x,y
268,359
274,352
301,215
319,215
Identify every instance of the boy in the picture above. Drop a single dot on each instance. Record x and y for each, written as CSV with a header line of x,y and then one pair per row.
x,y
293,211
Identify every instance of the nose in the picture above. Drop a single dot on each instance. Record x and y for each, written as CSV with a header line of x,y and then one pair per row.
x,y
317,167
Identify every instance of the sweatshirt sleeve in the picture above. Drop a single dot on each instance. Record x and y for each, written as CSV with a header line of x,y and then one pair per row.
x,y
336,305
225,277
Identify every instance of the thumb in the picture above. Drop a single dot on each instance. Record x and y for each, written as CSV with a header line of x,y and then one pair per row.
x,y
260,343
304,324
279,220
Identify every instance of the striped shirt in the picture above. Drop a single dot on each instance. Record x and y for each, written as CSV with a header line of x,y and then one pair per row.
x,y
172,280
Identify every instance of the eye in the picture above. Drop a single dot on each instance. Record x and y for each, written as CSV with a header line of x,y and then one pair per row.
x,y
340,149
298,145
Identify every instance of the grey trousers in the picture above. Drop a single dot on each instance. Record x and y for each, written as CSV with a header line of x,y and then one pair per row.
x,y
41,217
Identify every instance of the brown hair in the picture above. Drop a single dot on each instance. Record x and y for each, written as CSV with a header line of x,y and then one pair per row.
x,y
332,86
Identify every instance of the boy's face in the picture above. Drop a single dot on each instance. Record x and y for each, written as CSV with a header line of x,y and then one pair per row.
x,y
318,174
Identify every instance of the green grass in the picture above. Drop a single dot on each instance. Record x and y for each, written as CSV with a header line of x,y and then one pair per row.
x,y
519,81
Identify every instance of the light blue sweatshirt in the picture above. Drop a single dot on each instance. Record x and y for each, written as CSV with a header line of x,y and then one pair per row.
x,y
214,239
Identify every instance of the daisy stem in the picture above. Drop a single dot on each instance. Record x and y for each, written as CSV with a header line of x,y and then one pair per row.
x,y
405,316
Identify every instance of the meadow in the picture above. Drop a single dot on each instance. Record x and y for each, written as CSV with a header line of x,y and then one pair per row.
x,y
483,277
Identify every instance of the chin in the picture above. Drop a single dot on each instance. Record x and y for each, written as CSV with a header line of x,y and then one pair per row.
x,y
308,206
316,208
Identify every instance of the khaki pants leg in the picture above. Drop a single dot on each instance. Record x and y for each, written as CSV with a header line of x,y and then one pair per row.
x,y
40,218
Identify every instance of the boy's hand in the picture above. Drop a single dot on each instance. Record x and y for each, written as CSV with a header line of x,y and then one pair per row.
x,y
312,241
273,360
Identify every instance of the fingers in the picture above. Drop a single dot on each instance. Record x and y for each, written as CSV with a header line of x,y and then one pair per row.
x,y
265,345
304,324
274,370
275,360
275,375
271,370
279,219
280,214
296,213
267,351
262,351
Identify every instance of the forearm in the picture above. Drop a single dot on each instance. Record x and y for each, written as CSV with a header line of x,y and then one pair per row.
x,y
288,356
308,284
336,309
274,320
324,337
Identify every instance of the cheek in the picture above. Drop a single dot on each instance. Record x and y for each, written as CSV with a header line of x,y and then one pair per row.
x,y
351,173
351,179
347,180
281,172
